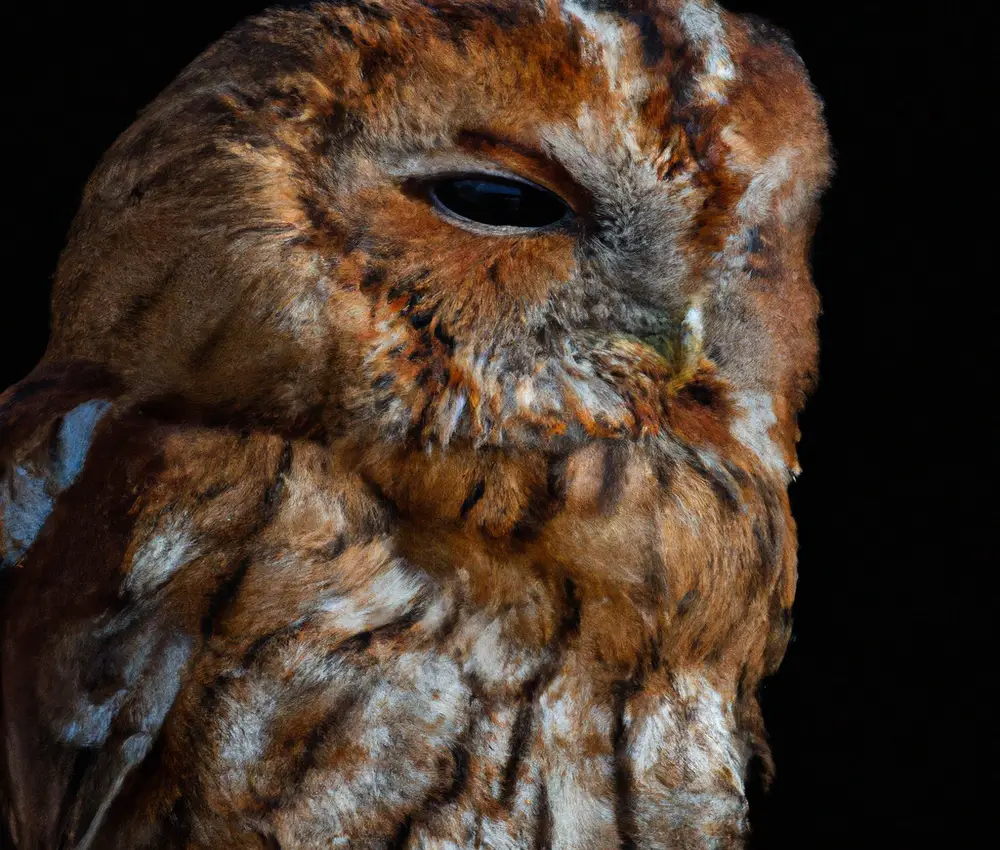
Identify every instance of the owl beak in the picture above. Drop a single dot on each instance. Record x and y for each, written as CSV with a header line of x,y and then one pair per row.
x,y
683,347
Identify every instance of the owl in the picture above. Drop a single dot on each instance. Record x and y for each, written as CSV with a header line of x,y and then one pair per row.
x,y
408,464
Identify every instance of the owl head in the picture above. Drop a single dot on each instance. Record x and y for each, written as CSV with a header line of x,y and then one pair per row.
x,y
501,222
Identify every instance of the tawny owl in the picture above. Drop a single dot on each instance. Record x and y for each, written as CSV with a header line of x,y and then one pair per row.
x,y
408,464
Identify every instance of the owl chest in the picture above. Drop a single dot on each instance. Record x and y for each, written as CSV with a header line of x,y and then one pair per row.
x,y
516,669
541,655
411,713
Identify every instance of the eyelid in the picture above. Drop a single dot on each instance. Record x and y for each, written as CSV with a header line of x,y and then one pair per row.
x,y
445,165
480,227
440,165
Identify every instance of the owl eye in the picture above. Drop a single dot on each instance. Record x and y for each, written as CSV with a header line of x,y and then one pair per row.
x,y
498,202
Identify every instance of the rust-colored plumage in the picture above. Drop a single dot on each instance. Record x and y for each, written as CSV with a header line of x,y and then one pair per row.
x,y
331,519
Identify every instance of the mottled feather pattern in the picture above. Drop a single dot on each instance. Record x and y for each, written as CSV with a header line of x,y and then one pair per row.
x,y
329,521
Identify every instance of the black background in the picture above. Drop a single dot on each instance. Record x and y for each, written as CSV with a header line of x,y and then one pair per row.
x,y
879,718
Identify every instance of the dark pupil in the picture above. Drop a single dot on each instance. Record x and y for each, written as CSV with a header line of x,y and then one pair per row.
x,y
499,202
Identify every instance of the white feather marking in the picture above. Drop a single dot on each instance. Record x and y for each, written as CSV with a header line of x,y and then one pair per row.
x,y
28,491
609,34
715,743
771,176
160,557
606,32
245,733
695,322
703,25
412,711
577,781
688,762
75,435
753,426
302,314
91,722
493,659
384,599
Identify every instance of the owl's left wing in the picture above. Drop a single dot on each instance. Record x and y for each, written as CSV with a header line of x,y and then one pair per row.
x,y
60,758
124,536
